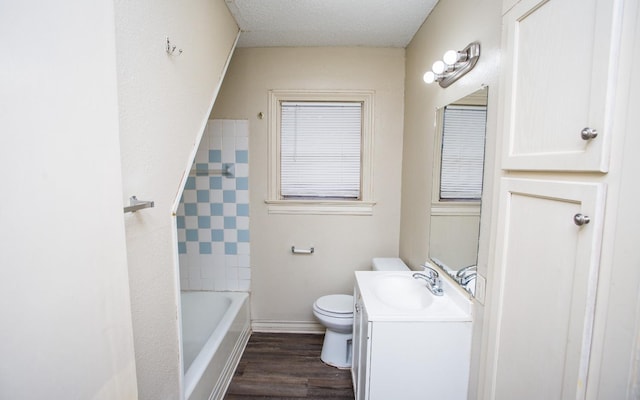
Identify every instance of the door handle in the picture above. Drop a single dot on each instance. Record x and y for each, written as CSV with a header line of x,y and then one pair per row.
x,y
580,219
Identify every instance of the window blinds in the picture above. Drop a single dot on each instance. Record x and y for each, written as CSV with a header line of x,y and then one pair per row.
x,y
320,149
462,152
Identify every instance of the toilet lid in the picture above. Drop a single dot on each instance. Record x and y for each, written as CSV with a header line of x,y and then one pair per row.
x,y
336,303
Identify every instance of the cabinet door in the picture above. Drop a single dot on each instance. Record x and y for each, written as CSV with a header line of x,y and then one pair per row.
x,y
356,339
546,277
360,367
559,59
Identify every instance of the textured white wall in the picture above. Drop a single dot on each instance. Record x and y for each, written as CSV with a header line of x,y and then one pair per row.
x,y
66,323
164,103
284,286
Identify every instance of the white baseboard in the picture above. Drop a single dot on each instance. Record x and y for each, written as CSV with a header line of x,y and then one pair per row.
x,y
271,326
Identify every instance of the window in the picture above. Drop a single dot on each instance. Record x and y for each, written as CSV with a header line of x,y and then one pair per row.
x,y
462,154
320,152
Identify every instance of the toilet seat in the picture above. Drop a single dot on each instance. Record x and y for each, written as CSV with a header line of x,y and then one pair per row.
x,y
335,305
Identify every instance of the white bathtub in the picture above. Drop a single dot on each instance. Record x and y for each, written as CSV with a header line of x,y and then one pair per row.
x,y
215,331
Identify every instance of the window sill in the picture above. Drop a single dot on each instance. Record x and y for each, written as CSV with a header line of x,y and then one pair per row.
x,y
456,209
315,207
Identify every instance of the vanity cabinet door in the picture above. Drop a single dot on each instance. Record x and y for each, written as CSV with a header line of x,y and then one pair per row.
x,y
360,357
546,265
559,61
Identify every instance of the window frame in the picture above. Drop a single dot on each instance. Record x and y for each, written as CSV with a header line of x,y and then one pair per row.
x,y
363,205
449,207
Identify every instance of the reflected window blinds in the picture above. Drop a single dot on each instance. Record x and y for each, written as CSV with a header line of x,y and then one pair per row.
x,y
463,139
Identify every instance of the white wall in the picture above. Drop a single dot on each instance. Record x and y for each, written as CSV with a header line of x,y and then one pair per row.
x,y
452,25
164,103
66,324
284,286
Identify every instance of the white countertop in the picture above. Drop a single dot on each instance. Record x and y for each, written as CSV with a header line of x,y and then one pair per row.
x,y
452,306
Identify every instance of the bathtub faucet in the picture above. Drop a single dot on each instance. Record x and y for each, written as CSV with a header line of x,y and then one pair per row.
x,y
431,276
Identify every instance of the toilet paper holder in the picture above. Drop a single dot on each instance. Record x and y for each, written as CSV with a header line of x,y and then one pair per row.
x,y
294,250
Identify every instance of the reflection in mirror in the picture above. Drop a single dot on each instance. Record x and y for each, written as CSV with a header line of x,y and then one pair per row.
x,y
457,187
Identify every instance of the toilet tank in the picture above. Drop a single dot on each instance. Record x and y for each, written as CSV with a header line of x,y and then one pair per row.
x,y
388,264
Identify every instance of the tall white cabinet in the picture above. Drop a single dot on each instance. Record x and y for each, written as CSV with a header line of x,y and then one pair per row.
x,y
558,85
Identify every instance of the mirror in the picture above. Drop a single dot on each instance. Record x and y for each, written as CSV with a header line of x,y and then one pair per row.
x,y
457,187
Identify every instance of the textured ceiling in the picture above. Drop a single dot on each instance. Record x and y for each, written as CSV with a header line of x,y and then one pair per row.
x,y
375,23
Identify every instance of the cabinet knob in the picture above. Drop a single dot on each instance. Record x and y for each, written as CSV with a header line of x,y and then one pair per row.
x,y
588,133
580,219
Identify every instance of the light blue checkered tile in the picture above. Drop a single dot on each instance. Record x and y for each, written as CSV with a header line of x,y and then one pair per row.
x,y
180,222
215,156
204,248
229,222
204,222
182,248
217,235
230,248
242,210
202,169
229,196
216,208
243,235
191,183
203,196
190,209
242,156
215,182
242,183
192,235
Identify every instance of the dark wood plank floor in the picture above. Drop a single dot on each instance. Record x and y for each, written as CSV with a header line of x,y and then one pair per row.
x,y
287,366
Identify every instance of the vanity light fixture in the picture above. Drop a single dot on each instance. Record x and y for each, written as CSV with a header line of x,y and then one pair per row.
x,y
454,65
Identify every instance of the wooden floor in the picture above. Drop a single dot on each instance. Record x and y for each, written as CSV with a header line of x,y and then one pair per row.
x,y
287,366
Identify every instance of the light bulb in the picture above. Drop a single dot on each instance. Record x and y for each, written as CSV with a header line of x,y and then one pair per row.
x,y
429,77
450,57
438,67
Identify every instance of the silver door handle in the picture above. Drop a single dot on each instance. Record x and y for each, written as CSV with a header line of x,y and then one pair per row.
x,y
580,219
588,133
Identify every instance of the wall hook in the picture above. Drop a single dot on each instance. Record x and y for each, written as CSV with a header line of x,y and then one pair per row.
x,y
172,48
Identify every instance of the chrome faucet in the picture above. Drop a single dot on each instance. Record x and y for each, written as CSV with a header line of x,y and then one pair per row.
x,y
466,274
465,279
431,276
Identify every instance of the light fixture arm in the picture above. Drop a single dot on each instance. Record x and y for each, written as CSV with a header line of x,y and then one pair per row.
x,y
467,59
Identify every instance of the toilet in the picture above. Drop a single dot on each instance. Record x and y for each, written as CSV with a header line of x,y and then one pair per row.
x,y
335,312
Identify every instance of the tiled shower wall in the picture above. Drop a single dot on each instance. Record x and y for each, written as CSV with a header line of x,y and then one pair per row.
x,y
213,216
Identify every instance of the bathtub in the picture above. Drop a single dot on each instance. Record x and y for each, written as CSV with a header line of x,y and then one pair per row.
x,y
215,331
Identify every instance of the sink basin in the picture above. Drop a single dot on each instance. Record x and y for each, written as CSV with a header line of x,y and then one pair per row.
x,y
402,292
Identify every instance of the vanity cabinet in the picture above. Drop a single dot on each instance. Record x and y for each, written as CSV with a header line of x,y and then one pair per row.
x,y
408,359
557,84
